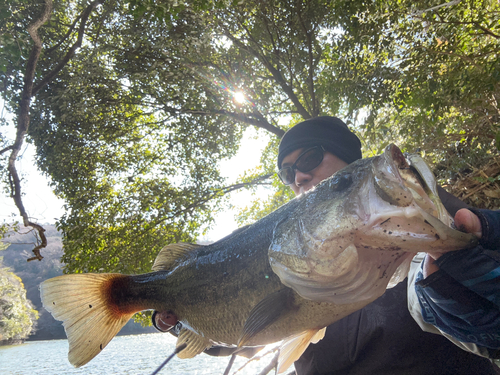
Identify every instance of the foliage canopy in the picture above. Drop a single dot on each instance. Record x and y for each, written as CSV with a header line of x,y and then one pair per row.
x,y
133,102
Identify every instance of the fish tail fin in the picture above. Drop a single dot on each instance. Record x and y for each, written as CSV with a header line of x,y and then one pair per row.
x,y
293,347
84,303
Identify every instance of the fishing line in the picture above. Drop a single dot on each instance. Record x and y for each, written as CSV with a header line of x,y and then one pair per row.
x,y
177,350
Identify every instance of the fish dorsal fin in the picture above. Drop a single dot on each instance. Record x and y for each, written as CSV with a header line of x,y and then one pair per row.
x,y
265,313
195,344
172,254
292,348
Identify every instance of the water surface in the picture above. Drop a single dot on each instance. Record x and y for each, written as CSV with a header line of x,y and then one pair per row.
x,y
137,354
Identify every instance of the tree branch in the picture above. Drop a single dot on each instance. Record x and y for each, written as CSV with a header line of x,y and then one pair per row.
x,y
310,76
23,124
81,31
474,23
449,4
256,120
211,195
6,149
278,77
486,30
436,52
24,109
63,39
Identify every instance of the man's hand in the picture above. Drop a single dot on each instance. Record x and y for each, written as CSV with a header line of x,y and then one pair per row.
x,y
466,222
164,321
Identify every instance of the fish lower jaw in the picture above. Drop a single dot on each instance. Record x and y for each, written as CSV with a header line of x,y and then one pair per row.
x,y
375,215
396,229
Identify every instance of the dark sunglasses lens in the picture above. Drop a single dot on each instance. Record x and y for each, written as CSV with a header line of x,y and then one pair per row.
x,y
310,160
287,175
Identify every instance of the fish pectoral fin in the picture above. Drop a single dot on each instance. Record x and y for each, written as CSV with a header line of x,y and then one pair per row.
x,y
170,255
195,344
266,312
400,274
82,302
293,347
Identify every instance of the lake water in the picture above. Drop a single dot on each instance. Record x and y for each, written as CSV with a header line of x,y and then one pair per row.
x,y
137,354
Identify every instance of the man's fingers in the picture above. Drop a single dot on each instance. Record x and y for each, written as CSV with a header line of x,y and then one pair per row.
x,y
467,222
164,320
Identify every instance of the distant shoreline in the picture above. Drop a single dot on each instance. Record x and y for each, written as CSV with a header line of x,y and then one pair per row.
x,y
12,342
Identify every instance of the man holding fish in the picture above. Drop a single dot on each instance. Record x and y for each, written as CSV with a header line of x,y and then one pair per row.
x,y
322,260
383,337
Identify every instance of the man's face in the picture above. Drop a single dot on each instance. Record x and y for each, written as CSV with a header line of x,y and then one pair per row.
x,y
305,181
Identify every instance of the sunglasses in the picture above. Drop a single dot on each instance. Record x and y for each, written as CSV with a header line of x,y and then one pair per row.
x,y
307,161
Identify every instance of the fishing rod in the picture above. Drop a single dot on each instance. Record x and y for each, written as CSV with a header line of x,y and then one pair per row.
x,y
177,350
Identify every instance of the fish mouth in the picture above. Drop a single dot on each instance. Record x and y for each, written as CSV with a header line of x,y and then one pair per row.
x,y
411,173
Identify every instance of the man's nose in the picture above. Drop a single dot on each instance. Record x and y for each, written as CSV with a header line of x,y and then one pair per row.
x,y
302,178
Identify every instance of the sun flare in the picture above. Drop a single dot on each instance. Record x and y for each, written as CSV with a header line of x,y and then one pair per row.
x,y
239,97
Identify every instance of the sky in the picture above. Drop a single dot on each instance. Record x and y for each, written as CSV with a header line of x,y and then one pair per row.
x,y
39,200
43,206
248,157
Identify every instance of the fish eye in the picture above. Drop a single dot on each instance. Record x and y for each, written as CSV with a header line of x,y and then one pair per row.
x,y
340,182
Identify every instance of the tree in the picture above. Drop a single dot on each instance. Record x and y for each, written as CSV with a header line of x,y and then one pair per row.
x,y
446,92
19,95
132,127
17,315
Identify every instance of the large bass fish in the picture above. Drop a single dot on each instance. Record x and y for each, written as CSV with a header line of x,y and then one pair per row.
x,y
313,261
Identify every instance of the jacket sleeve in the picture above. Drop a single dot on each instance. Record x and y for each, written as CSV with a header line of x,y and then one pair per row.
x,y
462,299
424,314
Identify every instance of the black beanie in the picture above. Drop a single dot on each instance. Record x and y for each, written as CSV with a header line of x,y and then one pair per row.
x,y
329,132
